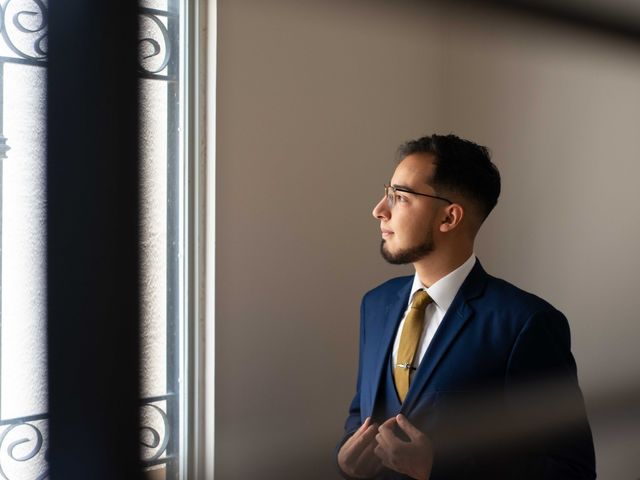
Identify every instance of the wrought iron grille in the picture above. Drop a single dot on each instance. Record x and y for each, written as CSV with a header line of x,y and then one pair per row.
x,y
23,440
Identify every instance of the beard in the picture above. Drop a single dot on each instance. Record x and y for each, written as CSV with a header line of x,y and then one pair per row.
x,y
408,255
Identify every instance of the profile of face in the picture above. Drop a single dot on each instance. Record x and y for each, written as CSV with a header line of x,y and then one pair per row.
x,y
408,225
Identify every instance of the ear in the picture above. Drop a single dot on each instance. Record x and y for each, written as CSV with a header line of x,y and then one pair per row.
x,y
451,217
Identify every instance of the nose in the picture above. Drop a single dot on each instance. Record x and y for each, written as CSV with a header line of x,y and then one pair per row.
x,y
381,210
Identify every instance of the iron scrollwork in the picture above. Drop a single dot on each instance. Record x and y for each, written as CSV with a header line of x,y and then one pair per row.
x,y
24,30
21,450
155,45
24,451
23,24
154,432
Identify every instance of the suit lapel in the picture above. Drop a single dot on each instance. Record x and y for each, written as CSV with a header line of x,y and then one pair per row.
x,y
459,313
391,320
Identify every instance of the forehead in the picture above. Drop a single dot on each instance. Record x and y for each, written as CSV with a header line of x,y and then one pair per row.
x,y
414,170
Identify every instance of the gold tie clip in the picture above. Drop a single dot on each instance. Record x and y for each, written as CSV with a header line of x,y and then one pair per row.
x,y
405,365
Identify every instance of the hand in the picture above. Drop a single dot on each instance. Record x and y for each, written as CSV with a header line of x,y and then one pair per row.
x,y
356,457
413,458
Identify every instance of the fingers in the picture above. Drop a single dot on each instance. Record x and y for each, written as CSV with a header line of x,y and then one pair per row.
x,y
369,434
407,427
387,442
383,443
356,456
386,434
361,439
389,422
372,446
368,451
413,457
363,427
369,461
359,432
382,454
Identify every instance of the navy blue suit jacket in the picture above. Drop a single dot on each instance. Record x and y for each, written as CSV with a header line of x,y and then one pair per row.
x,y
494,337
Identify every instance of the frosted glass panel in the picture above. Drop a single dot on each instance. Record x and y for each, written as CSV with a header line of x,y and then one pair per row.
x,y
23,244
23,362
153,142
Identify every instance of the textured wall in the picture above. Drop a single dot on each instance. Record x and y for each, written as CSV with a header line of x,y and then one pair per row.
x,y
313,98
560,109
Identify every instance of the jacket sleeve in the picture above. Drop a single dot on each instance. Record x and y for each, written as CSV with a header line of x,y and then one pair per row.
x,y
354,420
542,390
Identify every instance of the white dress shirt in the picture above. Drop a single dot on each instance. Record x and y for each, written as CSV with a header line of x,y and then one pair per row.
x,y
442,293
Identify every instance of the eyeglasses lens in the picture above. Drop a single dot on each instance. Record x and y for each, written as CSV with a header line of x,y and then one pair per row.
x,y
390,195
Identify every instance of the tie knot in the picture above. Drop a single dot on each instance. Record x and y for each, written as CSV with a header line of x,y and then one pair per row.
x,y
420,300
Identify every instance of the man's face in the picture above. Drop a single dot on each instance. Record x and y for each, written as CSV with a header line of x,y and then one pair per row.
x,y
408,227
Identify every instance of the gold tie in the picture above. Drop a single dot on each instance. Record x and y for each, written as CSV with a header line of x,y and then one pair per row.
x,y
409,340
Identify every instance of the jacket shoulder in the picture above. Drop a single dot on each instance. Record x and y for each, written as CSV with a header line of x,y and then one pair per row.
x,y
509,297
390,287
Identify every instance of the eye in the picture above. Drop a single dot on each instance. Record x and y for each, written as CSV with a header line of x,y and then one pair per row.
x,y
400,198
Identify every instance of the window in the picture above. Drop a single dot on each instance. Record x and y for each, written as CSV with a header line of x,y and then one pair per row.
x,y
167,237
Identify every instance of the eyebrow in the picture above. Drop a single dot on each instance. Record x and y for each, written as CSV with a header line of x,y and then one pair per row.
x,y
404,187
401,186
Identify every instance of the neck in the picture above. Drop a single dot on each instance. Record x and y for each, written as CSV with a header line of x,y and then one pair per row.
x,y
436,265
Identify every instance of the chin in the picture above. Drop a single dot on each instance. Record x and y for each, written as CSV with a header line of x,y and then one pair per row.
x,y
403,256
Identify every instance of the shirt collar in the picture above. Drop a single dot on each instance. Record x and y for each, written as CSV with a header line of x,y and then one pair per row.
x,y
444,290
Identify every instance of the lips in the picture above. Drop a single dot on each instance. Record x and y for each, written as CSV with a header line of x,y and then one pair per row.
x,y
386,232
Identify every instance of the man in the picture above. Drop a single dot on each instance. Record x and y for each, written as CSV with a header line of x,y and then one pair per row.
x,y
461,375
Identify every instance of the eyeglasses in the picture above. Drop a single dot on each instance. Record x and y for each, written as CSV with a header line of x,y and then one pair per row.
x,y
390,195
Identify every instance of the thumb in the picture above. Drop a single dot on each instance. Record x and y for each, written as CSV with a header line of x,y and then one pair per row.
x,y
361,429
407,427
389,423
365,424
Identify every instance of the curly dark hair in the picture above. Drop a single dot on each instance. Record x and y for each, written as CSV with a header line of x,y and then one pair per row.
x,y
461,166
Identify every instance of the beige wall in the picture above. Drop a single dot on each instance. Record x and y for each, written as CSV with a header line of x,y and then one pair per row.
x,y
313,98
560,109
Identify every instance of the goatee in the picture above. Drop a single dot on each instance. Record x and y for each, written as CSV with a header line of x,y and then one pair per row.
x,y
408,255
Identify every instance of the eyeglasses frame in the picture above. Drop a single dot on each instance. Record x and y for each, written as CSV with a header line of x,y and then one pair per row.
x,y
406,190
